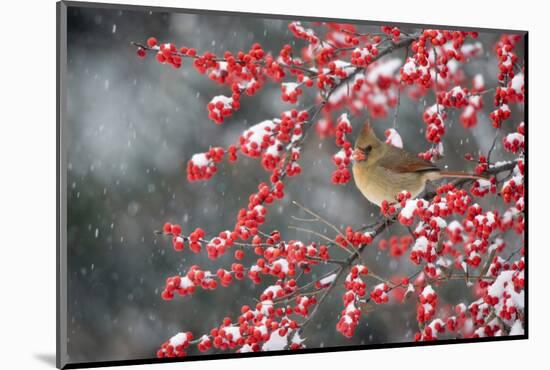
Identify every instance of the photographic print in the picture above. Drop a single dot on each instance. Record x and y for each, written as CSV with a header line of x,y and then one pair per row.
x,y
249,184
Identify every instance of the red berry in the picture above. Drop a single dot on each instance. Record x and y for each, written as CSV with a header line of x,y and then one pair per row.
x,y
141,52
239,254
160,57
176,229
151,42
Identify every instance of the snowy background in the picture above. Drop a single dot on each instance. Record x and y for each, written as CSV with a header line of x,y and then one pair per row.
x,y
133,124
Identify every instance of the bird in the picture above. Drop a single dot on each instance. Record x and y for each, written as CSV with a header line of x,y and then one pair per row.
x,y
381,170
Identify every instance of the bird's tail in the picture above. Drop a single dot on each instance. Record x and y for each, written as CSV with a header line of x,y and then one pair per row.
x,y
461,175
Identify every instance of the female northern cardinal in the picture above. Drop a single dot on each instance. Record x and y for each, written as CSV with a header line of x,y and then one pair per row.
x,y
381,171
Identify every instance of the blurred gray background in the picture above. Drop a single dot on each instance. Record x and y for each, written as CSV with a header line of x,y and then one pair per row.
x,y
133,124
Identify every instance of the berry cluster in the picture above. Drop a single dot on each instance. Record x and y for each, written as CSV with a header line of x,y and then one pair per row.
x,y
178,240
387,209
267,139
507,57
480,188
379,293
505,294
175,346
513,189
217,246
433,153
392,32
202,166
457,97
468,117
410,208
185,285
355,290
290,92
427,303
499,115
363,56
221,107
342,159
434,118
450,47
423,249
303,33
258,138
431,331
415,72
250,218
395,245
515,141
354,238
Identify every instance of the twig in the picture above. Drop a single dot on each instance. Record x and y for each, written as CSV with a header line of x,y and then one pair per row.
x,y
329,289
513,254
322,236
304,219
396,113
492,146
488,263
321,219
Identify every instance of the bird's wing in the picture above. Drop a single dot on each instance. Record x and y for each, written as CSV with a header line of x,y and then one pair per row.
x,y
399,160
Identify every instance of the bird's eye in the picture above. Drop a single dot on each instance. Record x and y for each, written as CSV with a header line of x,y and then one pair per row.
x,y
367,149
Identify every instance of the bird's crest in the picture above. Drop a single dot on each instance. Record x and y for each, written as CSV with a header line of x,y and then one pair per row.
x,y
367,135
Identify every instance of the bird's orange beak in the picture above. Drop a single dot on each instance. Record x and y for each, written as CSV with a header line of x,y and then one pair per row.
x,y
358,155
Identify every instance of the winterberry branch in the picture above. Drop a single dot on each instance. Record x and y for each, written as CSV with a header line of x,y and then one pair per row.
x,y
225,60
348,75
